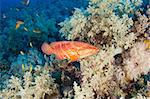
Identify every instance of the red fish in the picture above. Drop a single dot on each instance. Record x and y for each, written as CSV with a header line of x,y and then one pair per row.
x,y
72,50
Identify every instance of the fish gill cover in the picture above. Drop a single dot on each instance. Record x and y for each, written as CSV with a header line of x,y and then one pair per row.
x,y
118,28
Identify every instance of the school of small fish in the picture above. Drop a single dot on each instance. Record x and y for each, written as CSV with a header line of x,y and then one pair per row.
x,y
19,23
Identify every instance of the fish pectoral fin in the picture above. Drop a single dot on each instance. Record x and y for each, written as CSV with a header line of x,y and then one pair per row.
x,y
74,58
69,61
66,60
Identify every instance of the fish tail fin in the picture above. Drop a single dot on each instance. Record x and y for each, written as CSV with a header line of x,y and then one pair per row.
x,y
46,48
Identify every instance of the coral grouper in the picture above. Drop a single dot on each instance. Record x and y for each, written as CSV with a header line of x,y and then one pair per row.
x,y
72,50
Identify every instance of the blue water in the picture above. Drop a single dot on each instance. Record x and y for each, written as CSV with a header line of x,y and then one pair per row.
x,y
43,15
6,4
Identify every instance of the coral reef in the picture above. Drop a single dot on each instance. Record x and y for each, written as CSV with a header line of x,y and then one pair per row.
x,y
139,61
30,87
121,68
109,25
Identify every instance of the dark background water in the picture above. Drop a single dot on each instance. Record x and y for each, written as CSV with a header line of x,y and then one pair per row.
x,y
5,4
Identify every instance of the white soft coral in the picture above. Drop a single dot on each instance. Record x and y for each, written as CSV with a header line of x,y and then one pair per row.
x,y
139,62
